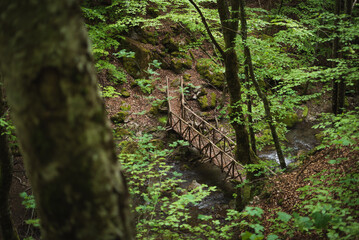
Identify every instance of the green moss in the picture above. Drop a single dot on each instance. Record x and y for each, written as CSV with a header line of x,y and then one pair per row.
x,y
180,63
149,37
202,92
319,136
136,66
128,147
124,93
170,44
163,120
120,132
187,77
203,103
213,100
120,117
291,119
125,106
211,72
130,65
305,112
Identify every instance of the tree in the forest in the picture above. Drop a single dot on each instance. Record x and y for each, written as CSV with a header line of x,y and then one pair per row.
x,y
249,73
60,121
338,93
229,16
7,230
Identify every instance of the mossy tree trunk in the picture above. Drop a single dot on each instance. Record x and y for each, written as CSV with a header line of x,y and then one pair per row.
x,y
229,20
7,229
262,96
250,112
60,121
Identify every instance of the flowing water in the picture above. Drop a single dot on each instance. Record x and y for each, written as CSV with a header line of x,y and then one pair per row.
x,y
301,139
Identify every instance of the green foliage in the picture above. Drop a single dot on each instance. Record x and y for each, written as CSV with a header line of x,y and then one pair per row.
x,y
147,85
116,75
341,130
109,92
9,128
29,203
124,53
160,203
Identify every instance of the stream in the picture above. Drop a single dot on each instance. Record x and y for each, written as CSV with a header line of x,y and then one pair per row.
x,y
301,138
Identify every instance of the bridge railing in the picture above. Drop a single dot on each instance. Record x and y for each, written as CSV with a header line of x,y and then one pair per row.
x,y
212,143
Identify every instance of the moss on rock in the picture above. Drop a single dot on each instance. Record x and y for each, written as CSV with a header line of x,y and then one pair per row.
x,y
203,103
120,117
128,147
211,72
207,101
213,100
187,77
124,93
291,119
170,44
305,112
180,62
136,66
120,132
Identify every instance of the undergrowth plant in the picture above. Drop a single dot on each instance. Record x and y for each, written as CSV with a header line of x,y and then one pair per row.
x,y
162,206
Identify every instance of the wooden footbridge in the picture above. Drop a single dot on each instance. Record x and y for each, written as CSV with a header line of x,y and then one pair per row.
x,y
214,146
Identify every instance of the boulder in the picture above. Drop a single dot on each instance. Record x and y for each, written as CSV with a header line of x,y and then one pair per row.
x,y
136,66
211,72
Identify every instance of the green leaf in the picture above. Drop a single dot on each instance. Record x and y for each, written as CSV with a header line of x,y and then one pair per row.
x,y
321,220
285,217
204,217
272,237
254,211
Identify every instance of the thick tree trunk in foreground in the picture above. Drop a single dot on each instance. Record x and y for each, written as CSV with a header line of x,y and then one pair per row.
x,y
61,125
262,96
7,230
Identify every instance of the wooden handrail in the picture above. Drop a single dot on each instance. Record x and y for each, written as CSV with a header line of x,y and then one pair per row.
x,y
185,122
221,156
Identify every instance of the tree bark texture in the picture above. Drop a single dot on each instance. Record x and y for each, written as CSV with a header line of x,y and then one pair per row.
x,y
7,229
248,62
249,107
229,20
60,121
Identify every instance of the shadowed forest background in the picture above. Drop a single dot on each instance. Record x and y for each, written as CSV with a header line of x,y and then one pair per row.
x,y
85,96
